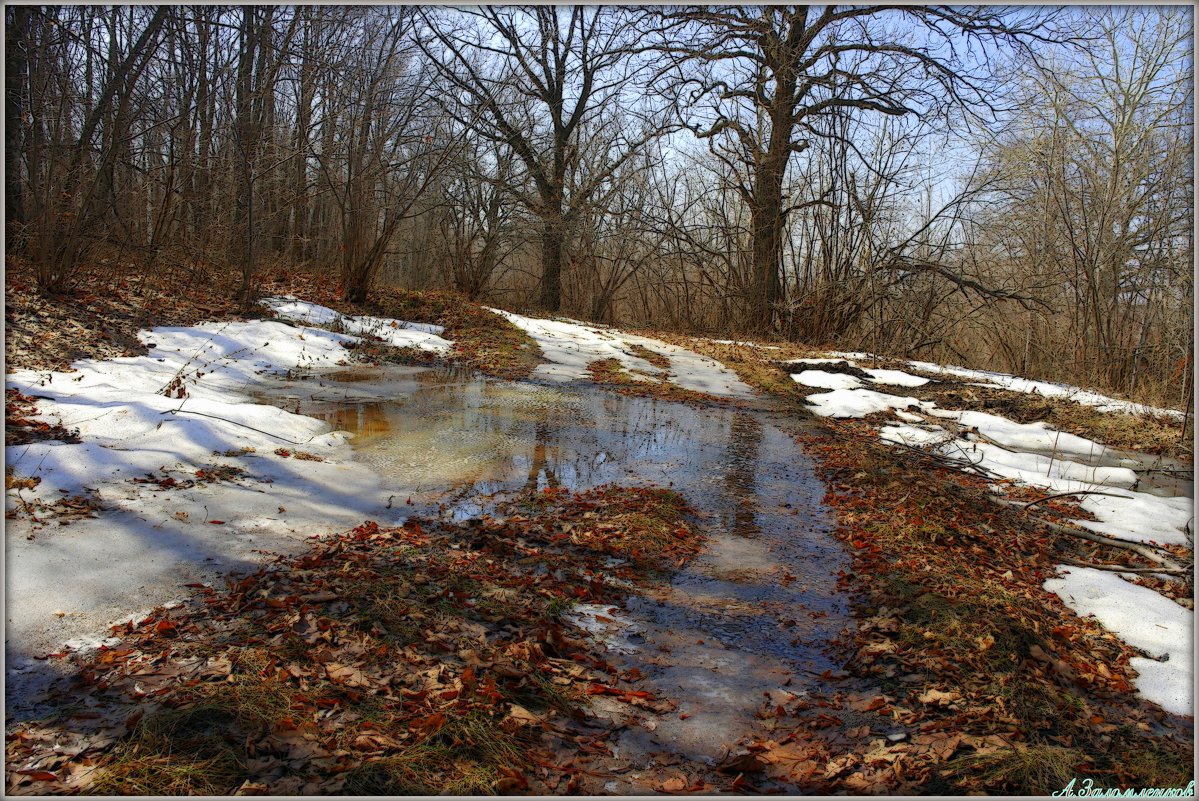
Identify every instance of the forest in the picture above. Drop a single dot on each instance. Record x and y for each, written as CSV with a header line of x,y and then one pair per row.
x,y
599,400
1004,188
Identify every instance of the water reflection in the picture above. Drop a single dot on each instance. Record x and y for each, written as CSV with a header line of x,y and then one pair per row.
x,y
754,612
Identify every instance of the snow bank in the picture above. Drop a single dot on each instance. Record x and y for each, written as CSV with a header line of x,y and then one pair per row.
x,y
1036,470
859,402
130,425
569,346
1140,517
916,436
150,538
1039,456
400,333
1144,619
826,380
1023,436
896,378
1049,389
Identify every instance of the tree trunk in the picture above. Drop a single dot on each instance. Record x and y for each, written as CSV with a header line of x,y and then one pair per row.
x,y
16,41
766,223
553,246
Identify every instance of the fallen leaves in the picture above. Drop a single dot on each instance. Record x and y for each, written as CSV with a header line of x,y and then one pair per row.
x,y
976,658
21,427
345,665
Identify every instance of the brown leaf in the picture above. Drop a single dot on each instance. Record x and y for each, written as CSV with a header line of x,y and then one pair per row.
x,y
939,698
742,763
39,775
675,784
347,675
863,704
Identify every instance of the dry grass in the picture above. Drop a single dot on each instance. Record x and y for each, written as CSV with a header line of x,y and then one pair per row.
x,y
656,359
1144,433
483,340
188,751
1032,769
464,758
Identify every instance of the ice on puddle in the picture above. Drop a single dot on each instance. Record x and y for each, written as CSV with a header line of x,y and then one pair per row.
x,y
612,630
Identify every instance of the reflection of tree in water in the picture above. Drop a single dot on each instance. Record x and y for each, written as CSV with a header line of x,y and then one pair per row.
x,y
745,438
545,459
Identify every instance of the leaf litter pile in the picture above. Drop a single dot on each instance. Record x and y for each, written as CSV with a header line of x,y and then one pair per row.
x,y
429,658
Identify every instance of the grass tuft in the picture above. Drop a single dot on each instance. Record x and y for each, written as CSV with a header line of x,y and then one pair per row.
x,y
1024,769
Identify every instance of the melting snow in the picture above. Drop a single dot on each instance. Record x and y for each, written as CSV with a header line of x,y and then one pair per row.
x,y
400,333
1049,389
1035,470
1023,436
1140,517
149,539
1039,456
826,380
916,436
859,402
895,377
1144,619
569,346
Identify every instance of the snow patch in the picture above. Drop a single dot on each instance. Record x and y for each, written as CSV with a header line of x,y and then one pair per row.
x,y
1023,436
1144,619
1049,389
826,380
569,346
896,378
1035,470
399,333
1140,517
149,538
858,402
915,436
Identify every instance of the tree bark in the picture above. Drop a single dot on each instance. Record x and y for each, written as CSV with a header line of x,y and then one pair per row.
x,y
553,247
15,43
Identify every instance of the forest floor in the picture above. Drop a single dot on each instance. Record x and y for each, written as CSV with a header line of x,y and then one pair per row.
x,y
522,647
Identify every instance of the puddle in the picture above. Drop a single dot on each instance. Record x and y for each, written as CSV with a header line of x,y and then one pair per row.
x,y
1156,475
751,617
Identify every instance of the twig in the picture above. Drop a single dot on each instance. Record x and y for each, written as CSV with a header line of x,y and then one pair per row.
x,y
1136,547
1123,569
243,425
1031,504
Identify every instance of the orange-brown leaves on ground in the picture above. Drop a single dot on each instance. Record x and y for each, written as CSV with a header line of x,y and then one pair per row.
x,y
426,656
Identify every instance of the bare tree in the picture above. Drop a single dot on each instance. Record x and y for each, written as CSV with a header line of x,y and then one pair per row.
x,y
477,216
70,161
388,142
758,78
1093,195
532,80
